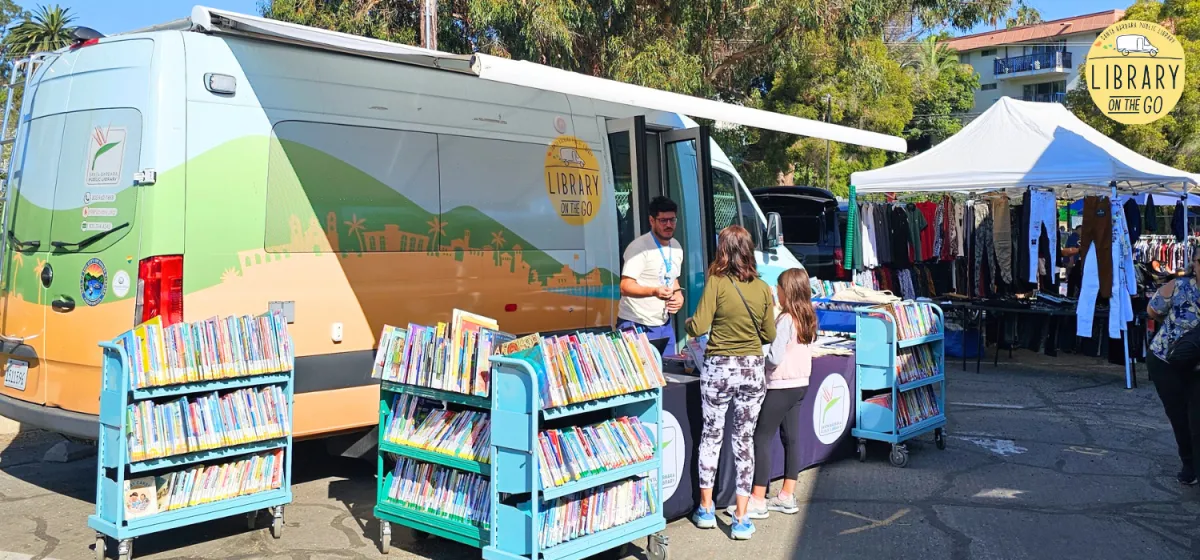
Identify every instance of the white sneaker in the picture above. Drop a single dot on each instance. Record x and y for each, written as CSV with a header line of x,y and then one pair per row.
x,y
760,513
783,505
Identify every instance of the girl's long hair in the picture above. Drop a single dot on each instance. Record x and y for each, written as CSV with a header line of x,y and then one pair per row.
x,y
735,255
795,298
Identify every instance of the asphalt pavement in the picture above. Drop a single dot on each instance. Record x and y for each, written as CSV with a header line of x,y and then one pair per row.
x,y
1046,458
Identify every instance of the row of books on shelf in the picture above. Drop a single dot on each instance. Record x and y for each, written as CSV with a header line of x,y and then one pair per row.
x,y
210,421
597,509
217,348
441,491
448,357
913,319
916,405
826,288
572,453
202,484
586,366
916,363
421,423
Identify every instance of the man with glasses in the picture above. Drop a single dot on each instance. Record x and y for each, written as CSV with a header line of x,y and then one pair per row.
x,y
650,291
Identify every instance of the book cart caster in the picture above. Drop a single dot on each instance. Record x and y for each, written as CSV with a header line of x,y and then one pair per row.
x,y
862,450
939,439
385,537
656,547
277,521
125,549
899,455
101,542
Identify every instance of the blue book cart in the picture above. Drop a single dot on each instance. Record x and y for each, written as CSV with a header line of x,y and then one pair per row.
x,y
115,466
878,373
519,499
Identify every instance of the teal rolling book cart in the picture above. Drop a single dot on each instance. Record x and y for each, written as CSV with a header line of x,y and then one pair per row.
x,y
389,511
887,391
519,499
115,465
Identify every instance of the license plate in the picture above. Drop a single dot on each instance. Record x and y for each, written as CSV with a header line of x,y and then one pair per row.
x,y
15,372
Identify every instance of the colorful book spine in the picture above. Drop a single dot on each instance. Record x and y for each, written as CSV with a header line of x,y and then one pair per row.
x,y
587,366
598,509
573,453
916,406
436,490
202,484
417,422
916,363
216,348
452,357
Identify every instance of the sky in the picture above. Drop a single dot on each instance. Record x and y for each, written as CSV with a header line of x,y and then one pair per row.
x,y
113,16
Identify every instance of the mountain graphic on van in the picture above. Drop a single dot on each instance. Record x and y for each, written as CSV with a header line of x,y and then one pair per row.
x,y
101,138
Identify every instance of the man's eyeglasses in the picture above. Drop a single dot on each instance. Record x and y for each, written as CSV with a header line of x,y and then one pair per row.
x,y
666,221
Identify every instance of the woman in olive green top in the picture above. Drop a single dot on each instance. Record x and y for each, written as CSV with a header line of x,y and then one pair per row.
x,y
737,310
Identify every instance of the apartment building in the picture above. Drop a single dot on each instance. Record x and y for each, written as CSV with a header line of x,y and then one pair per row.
x,y
1036,62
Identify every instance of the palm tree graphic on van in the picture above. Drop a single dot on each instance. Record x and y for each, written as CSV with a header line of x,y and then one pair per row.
x,y
101,138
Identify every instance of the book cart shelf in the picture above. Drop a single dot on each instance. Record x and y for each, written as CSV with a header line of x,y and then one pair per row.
x,y
901,376
519,498
117,467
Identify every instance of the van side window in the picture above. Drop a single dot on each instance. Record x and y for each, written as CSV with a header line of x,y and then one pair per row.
x,y
725,200
351,189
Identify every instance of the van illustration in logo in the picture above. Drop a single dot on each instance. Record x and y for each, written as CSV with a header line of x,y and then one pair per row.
x,y
570,156
1135,44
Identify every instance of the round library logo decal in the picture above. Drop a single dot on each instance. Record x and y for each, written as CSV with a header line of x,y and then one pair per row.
x,y
672,454
573,180
93,282
831,409
1134,72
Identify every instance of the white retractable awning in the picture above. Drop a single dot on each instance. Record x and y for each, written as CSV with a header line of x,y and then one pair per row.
x,y
537,76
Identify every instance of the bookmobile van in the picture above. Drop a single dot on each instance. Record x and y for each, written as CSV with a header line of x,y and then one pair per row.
x,y
225,164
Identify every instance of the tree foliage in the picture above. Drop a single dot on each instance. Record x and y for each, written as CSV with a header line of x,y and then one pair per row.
x,y
48,29
781,55
1175,138
1022,15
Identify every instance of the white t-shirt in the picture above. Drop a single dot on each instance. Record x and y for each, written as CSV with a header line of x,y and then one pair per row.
x,y
646,264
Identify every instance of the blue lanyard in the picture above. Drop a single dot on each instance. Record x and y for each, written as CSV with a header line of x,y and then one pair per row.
x,y
666,261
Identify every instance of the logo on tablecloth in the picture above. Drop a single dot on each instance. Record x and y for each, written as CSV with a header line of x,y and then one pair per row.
x,y
672,454
831,411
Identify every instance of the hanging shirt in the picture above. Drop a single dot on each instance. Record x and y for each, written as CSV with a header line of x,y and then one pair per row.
x,y
928,211
901,238
916,224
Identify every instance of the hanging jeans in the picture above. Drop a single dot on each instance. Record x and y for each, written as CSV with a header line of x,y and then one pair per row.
x,y
1097,229
982,244
1042,213
1002,236
739,379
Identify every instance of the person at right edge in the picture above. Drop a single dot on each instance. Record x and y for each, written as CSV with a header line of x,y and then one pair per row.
x,y
1177,306
737,310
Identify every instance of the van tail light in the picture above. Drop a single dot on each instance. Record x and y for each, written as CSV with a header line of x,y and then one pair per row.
x,y
160,289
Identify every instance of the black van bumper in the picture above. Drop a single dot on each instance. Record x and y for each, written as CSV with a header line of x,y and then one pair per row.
x,y
74,424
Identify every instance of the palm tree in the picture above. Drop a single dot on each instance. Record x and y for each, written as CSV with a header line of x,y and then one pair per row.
x,y
47,30
356,227
1023,15
930,58
498,240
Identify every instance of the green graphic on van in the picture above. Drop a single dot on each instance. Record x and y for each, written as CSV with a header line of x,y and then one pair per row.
x,y
105,146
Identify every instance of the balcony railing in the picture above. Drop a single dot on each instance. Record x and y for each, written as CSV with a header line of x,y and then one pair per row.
x,y
1060,97
1031,62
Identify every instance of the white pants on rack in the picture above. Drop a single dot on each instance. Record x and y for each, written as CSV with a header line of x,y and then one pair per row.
x,y
1085,311
867,230
1124,278
1043,211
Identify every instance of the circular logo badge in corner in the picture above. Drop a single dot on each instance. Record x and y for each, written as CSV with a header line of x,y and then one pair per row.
x,y
573,181
1134,71
672,454
831,409
93,282
121,283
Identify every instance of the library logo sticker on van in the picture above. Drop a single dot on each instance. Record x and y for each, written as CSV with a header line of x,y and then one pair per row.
x,y
105,156
93,282
1135,72
573,180
120,283
831,410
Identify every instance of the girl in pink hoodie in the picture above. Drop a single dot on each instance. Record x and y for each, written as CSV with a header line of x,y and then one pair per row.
x,y
788,366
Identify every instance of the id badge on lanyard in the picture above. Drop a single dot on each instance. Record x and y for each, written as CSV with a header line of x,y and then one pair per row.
x,y
666,275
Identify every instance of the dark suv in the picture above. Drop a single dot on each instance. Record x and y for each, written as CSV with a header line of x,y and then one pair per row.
x,y
810,221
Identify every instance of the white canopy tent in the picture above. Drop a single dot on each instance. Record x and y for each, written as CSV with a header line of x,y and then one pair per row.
x,y
1019,144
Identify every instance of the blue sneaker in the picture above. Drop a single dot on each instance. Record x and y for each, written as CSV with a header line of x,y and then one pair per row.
x,y
742,529
705,518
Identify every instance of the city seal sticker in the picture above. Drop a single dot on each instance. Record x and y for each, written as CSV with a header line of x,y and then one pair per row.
x,y
1135,72
573,180
93,282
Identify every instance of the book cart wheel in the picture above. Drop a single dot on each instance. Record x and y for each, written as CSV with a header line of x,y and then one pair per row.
x,y
385,537
277,522
939,438
100,544
656,547
862,450
899,456
125,549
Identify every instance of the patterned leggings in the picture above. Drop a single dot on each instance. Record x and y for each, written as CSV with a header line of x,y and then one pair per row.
x,y
730,378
